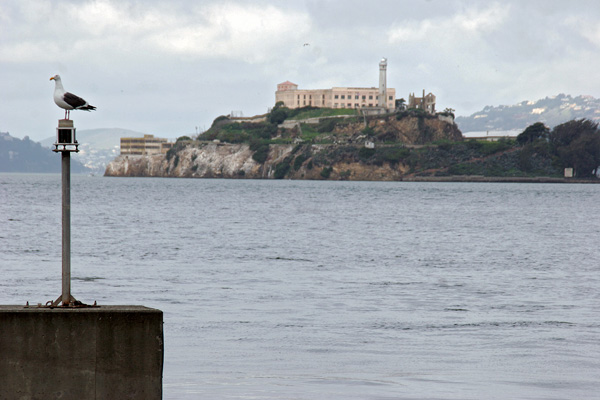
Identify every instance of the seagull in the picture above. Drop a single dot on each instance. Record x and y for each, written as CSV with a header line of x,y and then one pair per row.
x,y
67,100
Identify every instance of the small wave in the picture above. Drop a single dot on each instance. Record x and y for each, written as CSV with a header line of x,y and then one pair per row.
x,y
392,283
87,278
479,325
289,259
502,324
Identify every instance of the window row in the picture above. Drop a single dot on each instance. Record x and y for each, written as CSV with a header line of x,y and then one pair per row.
x,y
356,97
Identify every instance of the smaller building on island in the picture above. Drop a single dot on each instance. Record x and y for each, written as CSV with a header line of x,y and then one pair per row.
x,y
427,102
144,146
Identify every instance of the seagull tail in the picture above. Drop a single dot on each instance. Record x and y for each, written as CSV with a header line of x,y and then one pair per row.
x,y
87,108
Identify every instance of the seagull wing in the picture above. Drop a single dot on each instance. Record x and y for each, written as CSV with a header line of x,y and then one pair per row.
x,y
73,100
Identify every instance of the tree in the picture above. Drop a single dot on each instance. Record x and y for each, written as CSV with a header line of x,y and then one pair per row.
x,y
278,116
532,133
577,145
279,113
400,104
563,134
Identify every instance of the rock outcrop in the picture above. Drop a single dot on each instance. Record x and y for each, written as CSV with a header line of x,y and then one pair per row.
x,y
204,160
346,157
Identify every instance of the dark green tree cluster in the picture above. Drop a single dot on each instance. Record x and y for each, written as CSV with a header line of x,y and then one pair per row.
x,y
280,112
574,144
532,133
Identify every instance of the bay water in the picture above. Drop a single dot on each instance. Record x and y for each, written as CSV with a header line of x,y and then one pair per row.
x,y
330,290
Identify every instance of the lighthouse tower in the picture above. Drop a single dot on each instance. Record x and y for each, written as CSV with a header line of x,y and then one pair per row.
x,y
382,83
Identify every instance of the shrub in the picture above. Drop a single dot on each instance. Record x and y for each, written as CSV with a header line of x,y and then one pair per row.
x,y
261,154
474,144
260,149
463,169
219,121
494,147
326,172
232,136
445,145
296,148
392,155
365,153
326,125
170,153
277,116
308,132
299,161
210,134
282,168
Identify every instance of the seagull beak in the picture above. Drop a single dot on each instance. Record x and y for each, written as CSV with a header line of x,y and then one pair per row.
x,y
52,78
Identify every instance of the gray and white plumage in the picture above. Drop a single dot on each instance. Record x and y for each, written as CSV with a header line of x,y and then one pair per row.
x,y
68,101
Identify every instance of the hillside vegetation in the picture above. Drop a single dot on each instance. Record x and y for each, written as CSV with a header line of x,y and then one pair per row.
x,y
313,143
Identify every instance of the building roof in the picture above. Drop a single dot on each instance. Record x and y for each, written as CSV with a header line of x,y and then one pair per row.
x,y
288,83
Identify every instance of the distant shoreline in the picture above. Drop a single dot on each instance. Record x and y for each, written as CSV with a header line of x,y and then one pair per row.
x,y
456,179
496,179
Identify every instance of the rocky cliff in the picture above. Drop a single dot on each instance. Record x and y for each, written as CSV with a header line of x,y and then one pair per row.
x,y
341,154
235,161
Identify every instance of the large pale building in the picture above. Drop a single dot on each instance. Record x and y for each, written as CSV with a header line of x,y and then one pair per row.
x,y
339,97
144,146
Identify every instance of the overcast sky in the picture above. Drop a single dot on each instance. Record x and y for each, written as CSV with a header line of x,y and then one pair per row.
x,y
171,67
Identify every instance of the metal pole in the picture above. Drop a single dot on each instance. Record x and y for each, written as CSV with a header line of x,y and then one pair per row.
x,y
66,228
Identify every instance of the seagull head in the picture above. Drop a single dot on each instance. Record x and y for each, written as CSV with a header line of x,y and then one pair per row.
x,y
55,78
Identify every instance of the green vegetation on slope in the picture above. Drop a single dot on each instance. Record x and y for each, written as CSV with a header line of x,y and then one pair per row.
x,y
323,112
538,151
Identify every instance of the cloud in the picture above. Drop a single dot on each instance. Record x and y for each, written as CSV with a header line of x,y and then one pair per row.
x,y
461,26
585,26
486,20
166,66
240,31
231,30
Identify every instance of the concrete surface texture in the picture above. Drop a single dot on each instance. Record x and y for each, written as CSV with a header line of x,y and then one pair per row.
x,y
107,352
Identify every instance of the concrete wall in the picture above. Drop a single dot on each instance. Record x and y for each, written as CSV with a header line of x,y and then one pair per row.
x,y
108,352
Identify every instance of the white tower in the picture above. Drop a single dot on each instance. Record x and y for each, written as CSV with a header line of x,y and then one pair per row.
x,y
382,83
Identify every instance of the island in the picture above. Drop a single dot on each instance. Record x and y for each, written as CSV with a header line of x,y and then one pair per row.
x,y
348,144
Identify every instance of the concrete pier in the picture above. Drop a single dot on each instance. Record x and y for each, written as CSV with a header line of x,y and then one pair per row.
x,y
108,352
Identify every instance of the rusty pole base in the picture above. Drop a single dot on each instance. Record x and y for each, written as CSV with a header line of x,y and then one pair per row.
x,y
73,303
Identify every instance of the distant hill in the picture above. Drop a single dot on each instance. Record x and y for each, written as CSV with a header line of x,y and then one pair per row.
x,y
97,147
25,155
551,111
